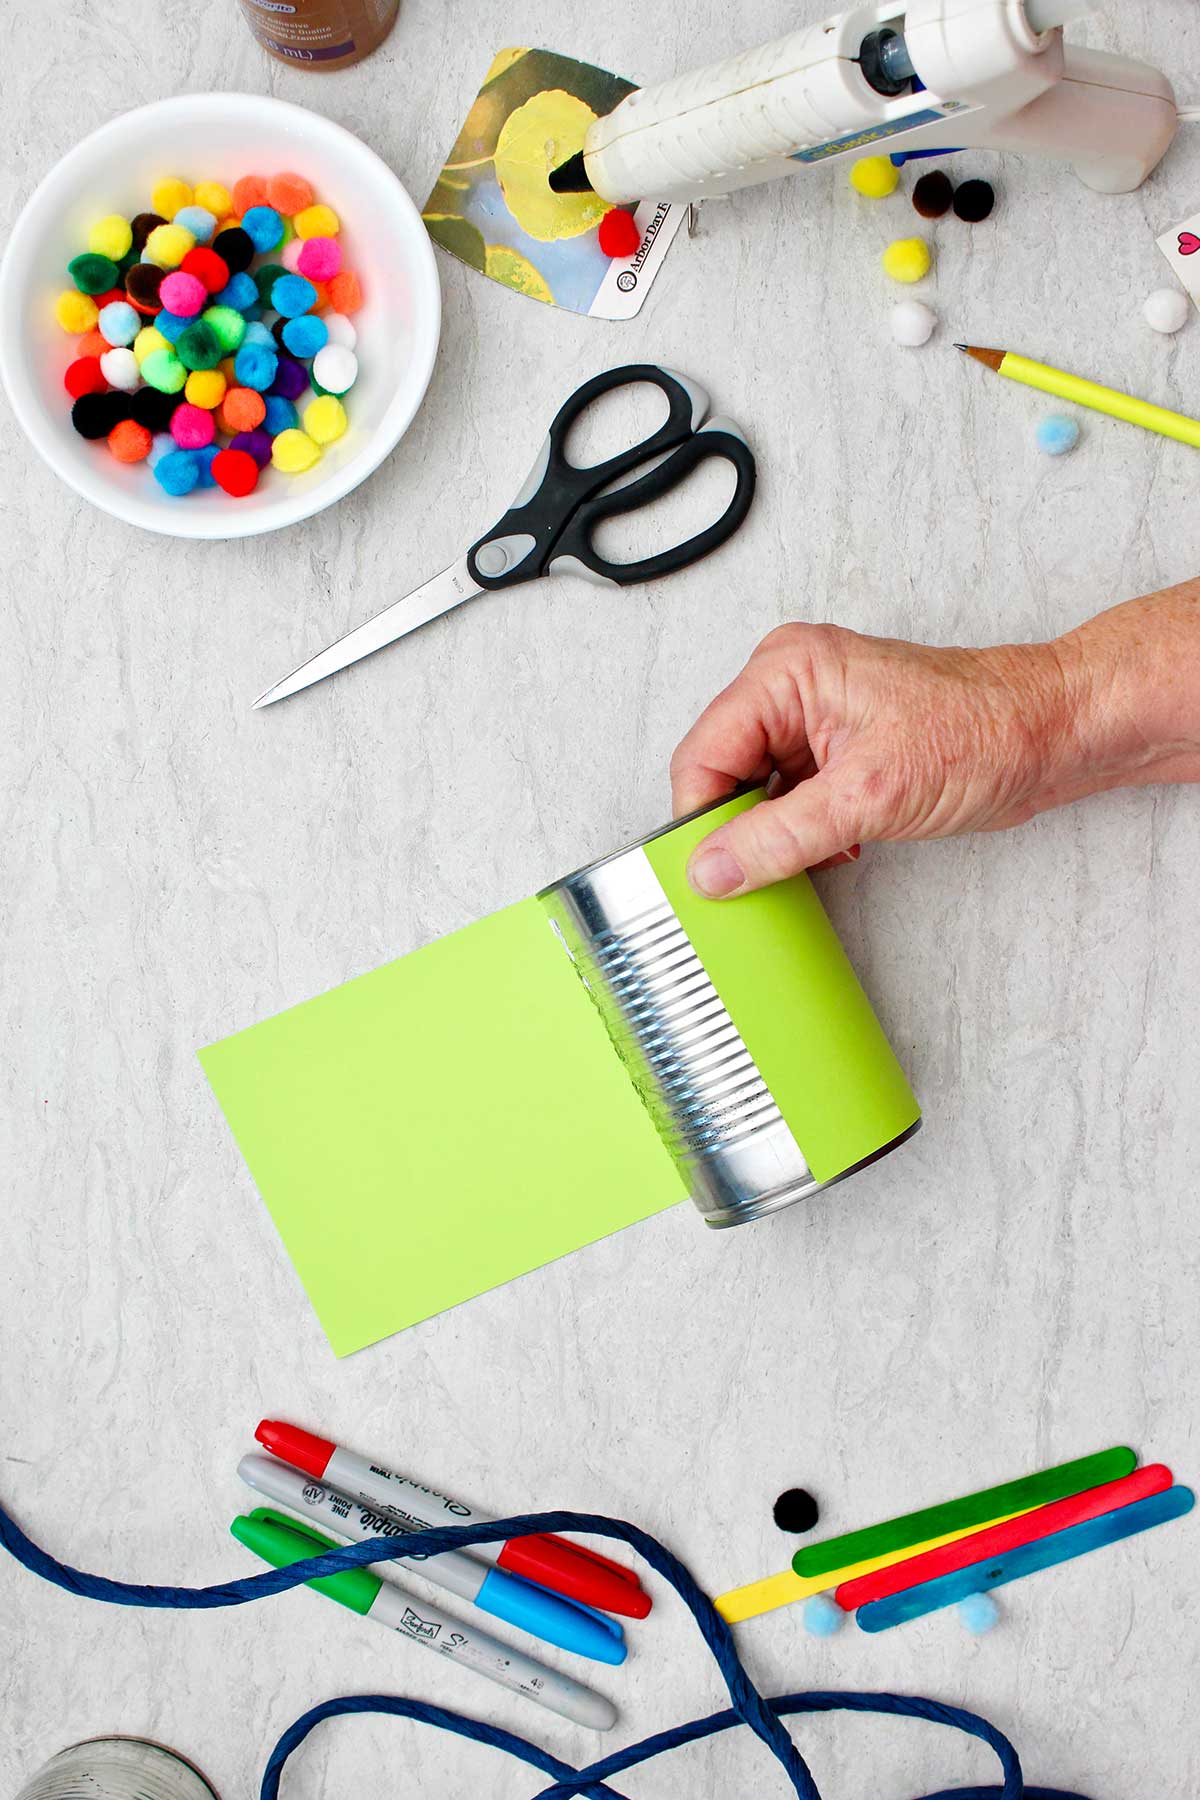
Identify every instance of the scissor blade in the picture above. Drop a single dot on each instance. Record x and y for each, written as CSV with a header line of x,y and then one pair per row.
x,y
434,597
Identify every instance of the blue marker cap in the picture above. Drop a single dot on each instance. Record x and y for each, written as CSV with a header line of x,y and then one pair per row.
x,y
551,1617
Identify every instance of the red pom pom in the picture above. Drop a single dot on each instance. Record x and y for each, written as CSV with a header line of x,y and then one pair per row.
x,y
85,376
236,471
103,300
619,234
207,267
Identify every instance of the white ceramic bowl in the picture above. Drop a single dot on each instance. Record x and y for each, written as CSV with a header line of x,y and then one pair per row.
x,y
219,137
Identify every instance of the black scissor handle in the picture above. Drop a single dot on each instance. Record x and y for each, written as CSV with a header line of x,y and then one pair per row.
x,y
523,542
574,552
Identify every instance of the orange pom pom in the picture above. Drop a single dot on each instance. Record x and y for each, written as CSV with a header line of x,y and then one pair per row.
x,y
129,441
243,409
250,191
345,294
288,194
93,343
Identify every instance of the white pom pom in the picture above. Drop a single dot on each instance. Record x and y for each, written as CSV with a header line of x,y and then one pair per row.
x,y
335,368
120,369
341,330
161,444
912,323
1166,309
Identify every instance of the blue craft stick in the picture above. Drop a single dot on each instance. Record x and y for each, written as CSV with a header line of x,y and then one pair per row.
x,y
1026,1559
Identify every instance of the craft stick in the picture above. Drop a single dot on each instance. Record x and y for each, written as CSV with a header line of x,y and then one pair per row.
x,y
957,1516
1062,1547
998,1540
772,1591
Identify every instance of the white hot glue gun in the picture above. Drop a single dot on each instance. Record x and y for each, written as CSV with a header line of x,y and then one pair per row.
x,y
935,74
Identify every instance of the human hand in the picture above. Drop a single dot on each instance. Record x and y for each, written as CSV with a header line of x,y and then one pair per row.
x,y
862,738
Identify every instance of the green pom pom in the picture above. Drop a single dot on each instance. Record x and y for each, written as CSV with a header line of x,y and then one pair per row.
x,y
126,263
265,279
92,274
199,346
228,324
163,370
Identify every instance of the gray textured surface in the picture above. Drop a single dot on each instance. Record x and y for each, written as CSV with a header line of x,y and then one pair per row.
x,y
1018,1286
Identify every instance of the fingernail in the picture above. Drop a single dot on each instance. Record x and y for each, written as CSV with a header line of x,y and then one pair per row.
x,y
854,852
714,873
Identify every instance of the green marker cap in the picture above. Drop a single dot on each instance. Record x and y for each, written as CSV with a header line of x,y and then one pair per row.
x,y
282,1541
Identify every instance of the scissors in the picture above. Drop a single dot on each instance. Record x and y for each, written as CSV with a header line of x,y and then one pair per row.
x,y
548,529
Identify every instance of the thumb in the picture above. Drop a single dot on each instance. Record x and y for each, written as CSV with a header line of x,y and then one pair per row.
x,y
774,839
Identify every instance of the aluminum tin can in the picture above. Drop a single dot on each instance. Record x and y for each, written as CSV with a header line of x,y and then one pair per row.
x,y
117,1768
696,1075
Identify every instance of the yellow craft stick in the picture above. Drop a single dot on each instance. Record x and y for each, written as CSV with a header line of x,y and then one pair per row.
x,y
1089,393
783,1589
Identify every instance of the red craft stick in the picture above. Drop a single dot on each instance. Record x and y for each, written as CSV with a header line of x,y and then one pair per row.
x,y
980,1546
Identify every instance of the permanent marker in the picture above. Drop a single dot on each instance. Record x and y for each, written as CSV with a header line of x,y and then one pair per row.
x,y
549,1562
507,1597
282,1541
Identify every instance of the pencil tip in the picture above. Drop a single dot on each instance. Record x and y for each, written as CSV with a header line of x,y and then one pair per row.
x,y
962,346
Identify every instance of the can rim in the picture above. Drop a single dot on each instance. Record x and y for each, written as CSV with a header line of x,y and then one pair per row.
x,y
743,788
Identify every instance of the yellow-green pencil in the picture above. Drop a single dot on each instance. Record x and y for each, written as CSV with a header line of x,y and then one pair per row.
x,y
1089,393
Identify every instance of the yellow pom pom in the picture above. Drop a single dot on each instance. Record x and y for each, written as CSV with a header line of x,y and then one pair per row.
x,y
213,198
76,312
167,196
907,259
325,419
111,237
294,451
206,388
167,245
317,221
874,176
146,342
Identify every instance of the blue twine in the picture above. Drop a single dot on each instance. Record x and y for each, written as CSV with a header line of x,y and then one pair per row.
x,y
749,1707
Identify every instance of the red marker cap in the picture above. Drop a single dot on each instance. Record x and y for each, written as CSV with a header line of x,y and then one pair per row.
x,y
291,1445
582,1574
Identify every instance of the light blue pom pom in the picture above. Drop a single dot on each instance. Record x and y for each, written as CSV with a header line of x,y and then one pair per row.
x,y
305,335
1056,434
240,291
263,226
198,220
281,415
172,325
178,473
822,1616
258,333
979,1612
255,366
204,463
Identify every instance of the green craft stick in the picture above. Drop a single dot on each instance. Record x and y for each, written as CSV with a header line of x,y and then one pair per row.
x,y
898,1535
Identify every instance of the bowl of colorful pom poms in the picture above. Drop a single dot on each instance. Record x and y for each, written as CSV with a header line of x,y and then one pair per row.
x,y
218,315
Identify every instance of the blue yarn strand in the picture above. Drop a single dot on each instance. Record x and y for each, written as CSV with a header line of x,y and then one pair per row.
x,y
749,1707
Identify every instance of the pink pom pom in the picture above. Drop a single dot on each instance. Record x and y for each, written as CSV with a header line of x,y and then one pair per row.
x,y
320,258
183,294
192,427
289,256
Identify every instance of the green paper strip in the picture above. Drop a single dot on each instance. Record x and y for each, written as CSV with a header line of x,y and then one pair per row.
x,y
961,1515
789,987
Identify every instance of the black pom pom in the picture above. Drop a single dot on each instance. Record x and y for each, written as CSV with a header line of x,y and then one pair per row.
x,y
235,247
796,1511
94,415
141,226
277,332
933,194
152,408
974,200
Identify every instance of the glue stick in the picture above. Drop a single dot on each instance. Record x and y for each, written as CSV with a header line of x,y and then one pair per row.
x,y
320,34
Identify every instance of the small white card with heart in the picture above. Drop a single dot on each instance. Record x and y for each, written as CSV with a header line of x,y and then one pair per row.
x,y
1181,247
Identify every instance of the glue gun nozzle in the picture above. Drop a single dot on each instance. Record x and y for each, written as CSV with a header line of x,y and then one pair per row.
x,y
570,177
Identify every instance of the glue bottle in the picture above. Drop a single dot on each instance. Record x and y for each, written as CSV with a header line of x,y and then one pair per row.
x,y
320,34
118,1768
